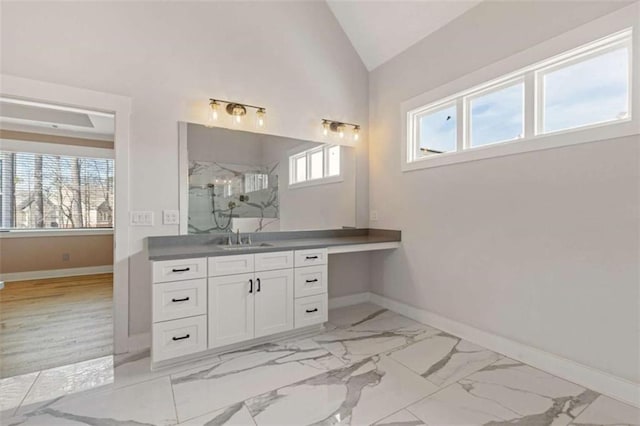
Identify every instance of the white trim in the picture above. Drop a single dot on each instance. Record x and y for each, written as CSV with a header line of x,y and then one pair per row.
x,y
183,177
352,299
39,91
540,55
56,273
351,248
39,233
15,145
597,380
315,182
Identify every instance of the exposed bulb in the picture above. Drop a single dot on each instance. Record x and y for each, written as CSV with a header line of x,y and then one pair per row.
x,y
356,133
238,119
260,117
325,127
213,113
341,132
237,111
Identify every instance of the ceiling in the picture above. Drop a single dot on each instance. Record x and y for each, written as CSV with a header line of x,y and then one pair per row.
x,y
35,117
379,30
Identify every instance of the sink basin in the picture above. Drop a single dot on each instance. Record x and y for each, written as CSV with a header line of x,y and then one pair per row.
x,y
246,246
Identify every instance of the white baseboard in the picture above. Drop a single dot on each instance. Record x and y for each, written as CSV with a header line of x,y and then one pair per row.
x,y
56,273
594,379
352,299
139,342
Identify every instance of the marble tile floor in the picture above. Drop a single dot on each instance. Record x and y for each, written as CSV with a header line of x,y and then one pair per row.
x,y
371,366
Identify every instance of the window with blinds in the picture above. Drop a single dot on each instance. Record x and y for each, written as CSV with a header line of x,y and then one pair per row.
x,y
55,191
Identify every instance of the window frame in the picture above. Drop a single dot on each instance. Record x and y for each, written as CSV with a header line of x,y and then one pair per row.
x,y
52,149
596,51
432,109
324,148
526,65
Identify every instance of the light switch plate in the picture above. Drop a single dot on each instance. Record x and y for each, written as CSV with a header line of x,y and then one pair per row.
x,y
141,218
170,217
373,215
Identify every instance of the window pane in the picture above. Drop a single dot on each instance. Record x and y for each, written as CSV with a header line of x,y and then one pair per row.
x,y
438,132
51,191
316,165
497,116
301,169
334,160
589,92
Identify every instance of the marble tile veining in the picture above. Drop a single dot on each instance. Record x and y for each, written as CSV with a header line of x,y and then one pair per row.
x,y
351,316
373,337
607,411
358,394
14,389
373,366
506,392
401,418
444,359
234,415
148,403
243,374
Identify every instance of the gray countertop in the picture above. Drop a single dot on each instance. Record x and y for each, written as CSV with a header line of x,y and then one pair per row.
x,y
206,245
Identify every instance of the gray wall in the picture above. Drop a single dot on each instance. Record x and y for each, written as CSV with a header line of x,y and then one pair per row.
x,y
170,58
541,247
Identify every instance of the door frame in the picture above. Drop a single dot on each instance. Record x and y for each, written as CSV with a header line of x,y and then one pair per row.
x,y
40,91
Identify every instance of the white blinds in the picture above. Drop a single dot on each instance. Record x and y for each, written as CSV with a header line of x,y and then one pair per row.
x,y
55,191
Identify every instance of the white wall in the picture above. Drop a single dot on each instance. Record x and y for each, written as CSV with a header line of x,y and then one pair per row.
x,y
541,247
292,58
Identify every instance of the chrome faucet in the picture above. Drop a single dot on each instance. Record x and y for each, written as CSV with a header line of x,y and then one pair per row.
x,y
238,239
229,239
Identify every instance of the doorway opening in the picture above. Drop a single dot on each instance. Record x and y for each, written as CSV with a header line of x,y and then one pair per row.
x,y
57,204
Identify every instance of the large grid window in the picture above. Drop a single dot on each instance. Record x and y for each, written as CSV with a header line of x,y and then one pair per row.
x,y
586,87
55,192
314,164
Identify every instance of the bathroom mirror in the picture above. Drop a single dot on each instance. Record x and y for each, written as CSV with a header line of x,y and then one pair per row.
x,y
234,180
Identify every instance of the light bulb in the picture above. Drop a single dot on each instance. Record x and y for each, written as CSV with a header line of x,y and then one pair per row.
x,y
213,113
341,132
325,126
260,117
238,119
356,133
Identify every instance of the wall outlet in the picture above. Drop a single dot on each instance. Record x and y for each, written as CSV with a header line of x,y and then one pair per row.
x,y
170,217
141,218
66,257
373,215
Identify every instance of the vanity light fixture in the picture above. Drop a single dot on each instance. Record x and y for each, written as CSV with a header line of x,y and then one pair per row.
x,y
236,110
340,128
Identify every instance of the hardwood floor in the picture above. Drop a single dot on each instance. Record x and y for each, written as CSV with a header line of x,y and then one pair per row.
x,y
52,322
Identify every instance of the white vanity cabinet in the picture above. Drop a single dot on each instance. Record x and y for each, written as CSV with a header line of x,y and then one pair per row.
x,y
210,303
311,284
250,305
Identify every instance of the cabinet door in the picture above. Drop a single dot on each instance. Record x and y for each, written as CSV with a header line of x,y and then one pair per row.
x,y
273,302
231,300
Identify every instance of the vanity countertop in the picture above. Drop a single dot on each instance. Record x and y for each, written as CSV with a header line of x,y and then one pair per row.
x,y
208,245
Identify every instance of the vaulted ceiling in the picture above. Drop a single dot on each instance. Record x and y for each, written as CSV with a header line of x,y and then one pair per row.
x,y
379,30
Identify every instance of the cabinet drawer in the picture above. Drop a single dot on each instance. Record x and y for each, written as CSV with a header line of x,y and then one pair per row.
x,y
311,310
180,269
229,265
310,257
179,299
180,337
310,281
273,260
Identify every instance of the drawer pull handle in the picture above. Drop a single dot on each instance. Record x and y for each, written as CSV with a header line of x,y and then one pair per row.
x,y
312,310
315,280
181,270
311,257
184,299
186,336
258,280
250,286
